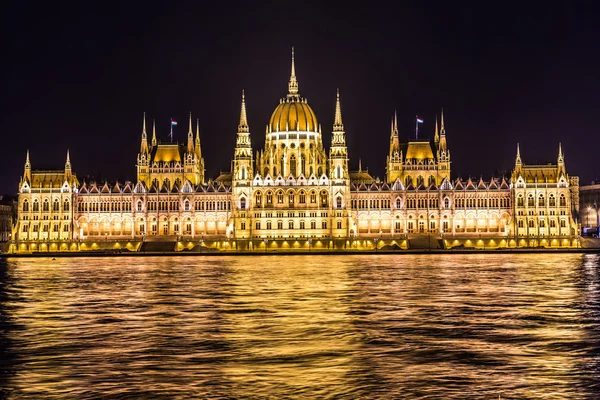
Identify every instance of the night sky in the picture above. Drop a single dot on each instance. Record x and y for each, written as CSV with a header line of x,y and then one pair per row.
x,y
79,77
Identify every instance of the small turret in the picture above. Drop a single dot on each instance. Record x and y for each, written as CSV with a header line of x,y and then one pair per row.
x,y
154,133
68,172
144,144
27,172
190,138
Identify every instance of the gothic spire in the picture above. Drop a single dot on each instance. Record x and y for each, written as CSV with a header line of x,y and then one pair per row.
x,y
518,160
27,163
153,133
190,142
144,143
436,137
68,161
561,158
293,84
243,126
338,125
443,129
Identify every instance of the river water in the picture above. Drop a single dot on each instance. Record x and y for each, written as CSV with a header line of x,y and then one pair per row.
x,y
518,326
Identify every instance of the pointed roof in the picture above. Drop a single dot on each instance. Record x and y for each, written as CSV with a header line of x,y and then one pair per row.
x,y
154,133
243,125
338,125
293,84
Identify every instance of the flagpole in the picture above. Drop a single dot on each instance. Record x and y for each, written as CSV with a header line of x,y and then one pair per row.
x,y
416,127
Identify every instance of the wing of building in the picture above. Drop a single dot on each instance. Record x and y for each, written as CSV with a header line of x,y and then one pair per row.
x,y
294,194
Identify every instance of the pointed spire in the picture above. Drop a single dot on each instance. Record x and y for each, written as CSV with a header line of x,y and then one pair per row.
x,y
144,143
27,172
436,137
561,158
338,124
359,165
190,142
518,160
153,133
293,84
395,126
68,162
197,149
443,129
243,126
144,127
198,132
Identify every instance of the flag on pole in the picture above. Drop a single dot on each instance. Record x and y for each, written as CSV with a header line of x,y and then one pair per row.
x,y
419,121
174,123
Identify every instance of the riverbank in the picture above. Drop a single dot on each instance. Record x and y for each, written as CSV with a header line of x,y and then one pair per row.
x,y
294,253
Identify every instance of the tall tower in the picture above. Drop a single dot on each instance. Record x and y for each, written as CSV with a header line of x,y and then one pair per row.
x,y
68,171
242,159
143,159
338,153
198,154
394,158
27,171
443,154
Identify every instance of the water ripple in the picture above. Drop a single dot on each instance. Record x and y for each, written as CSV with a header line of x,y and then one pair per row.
x,y
331,327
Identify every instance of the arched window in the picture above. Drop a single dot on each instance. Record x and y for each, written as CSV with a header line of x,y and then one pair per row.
x,y
280,197
552,201
46,206
398,203
302,197
258,198
243,174
25,206
431,180
243,203
36,205
338,172
446,203
338,202
313,197
323,198
408,180
155,183
562,200
541,201
530,201
291,224
269,197
178,182
55,205
521,223
419,180
139,205
291,198
186,205
520,201
293,165
66,205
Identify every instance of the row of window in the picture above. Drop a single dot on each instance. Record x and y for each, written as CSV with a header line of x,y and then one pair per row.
x,y
45,228
541,223
541,202
291,225
46,205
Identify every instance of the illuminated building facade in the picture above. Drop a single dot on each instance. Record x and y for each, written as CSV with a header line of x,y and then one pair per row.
x,y
293,194
590,208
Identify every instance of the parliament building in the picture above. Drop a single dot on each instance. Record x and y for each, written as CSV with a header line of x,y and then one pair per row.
x,y
293,194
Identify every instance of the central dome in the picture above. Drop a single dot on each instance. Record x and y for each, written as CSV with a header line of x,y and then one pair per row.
x,y
293,114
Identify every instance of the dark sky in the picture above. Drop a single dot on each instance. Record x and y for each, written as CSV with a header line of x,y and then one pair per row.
x,y
79,76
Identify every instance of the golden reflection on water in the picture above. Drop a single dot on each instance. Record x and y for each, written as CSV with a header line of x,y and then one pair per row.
x,y
376,326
